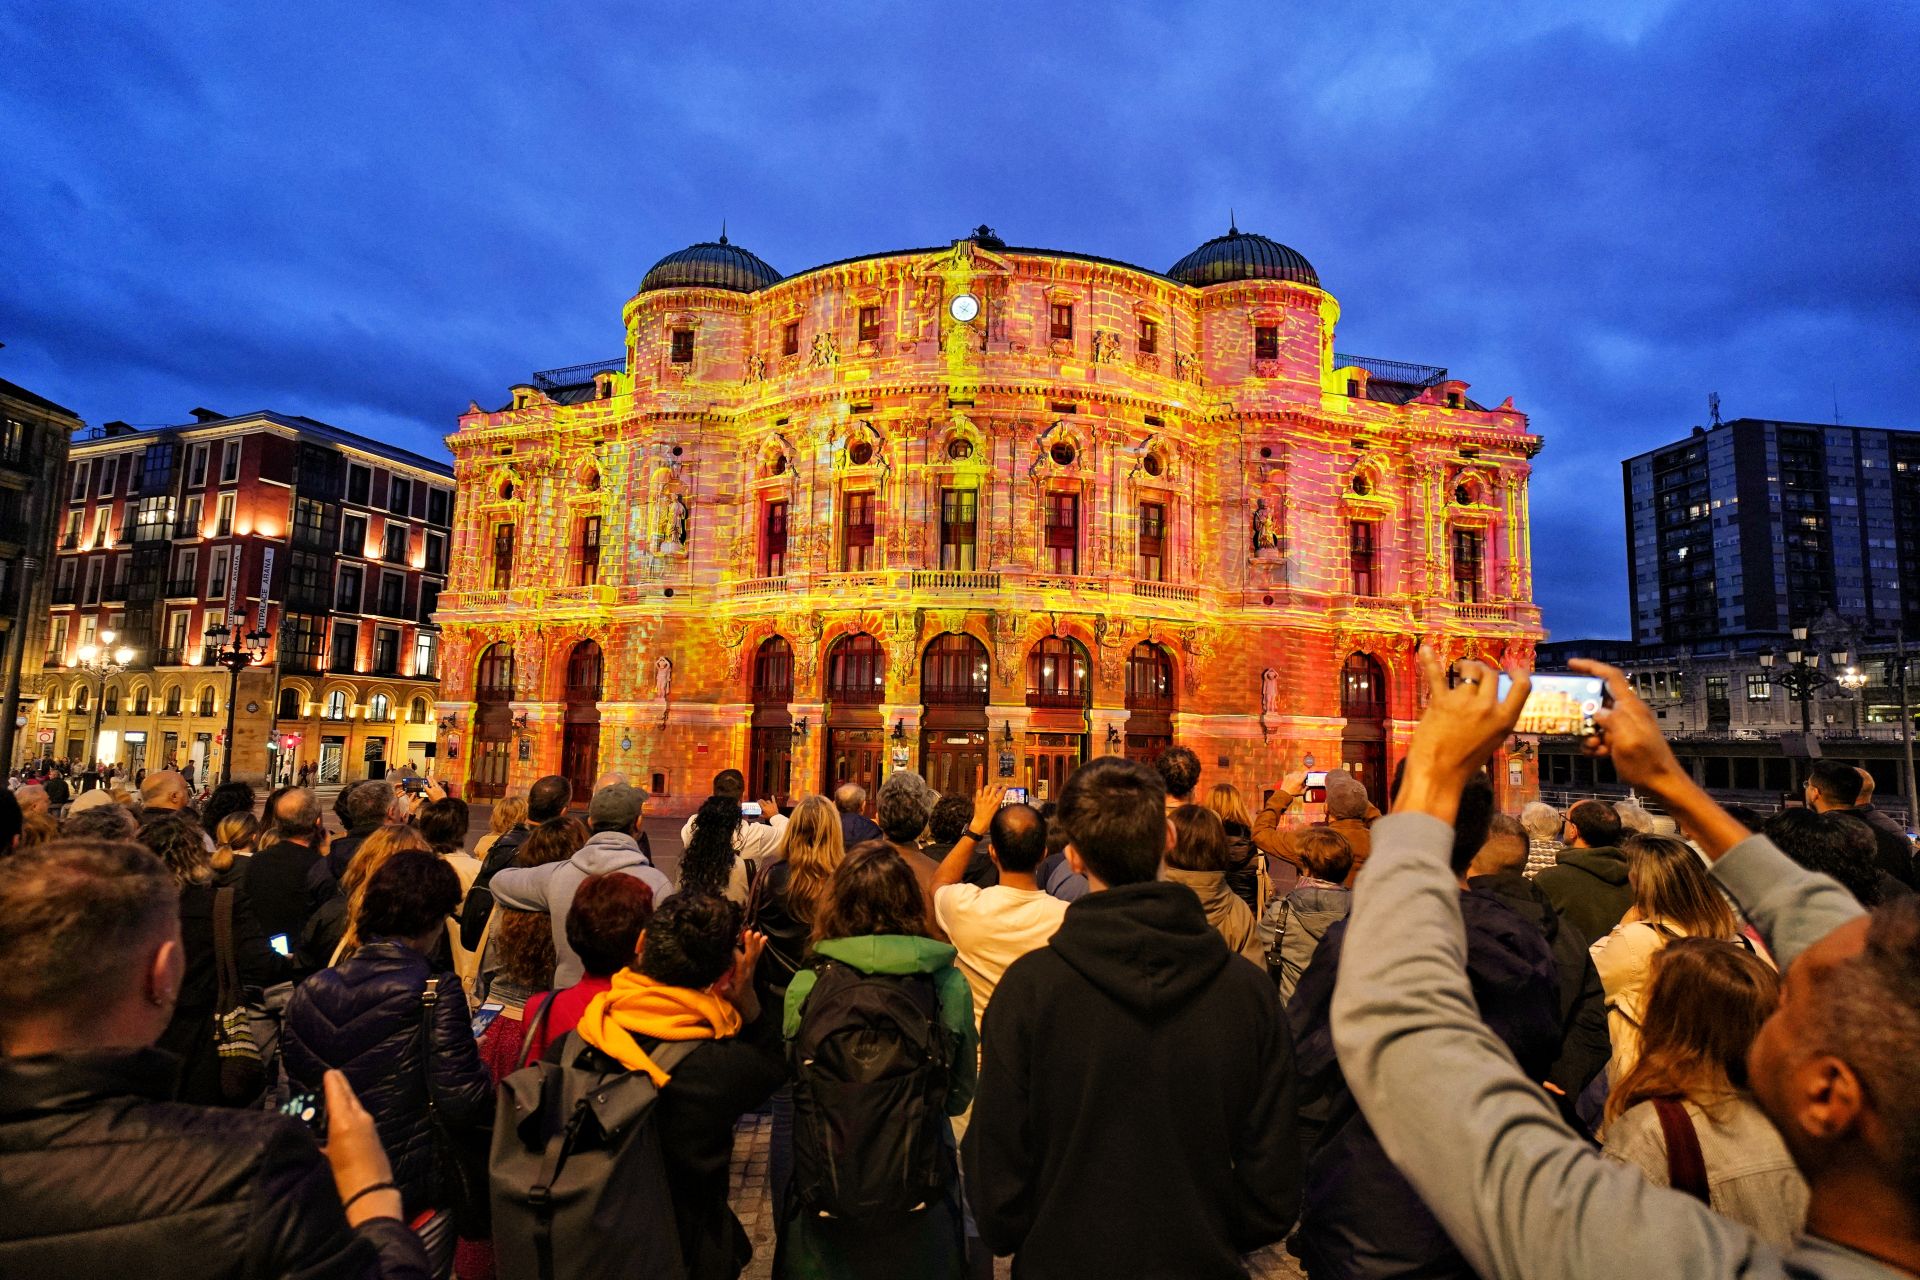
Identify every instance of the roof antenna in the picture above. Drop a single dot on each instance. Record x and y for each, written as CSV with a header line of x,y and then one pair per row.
x,y
723,231
1836,404
1233,226
1713,406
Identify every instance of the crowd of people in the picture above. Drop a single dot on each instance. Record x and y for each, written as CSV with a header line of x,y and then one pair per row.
x,y
1145,1029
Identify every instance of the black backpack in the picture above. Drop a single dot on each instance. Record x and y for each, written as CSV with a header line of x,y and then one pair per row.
x,y
871,1064
579,1188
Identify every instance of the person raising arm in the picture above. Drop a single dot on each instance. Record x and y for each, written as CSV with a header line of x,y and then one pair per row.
x,y
1521,1195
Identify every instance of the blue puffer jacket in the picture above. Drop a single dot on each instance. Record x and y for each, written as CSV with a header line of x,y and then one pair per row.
x,y
364,1016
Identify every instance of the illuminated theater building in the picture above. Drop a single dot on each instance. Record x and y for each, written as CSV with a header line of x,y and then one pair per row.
x,y
973,508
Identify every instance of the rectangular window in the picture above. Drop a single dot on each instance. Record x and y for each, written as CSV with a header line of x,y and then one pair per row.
x,y
109,467
682,346
96,574
1266,342
429,601
348,587
301,640
1466,566
353,535
1153,541
223,516
186,574
502,556
221,559
230,463
395,550
439,507
426,655
71,539
959,528
1759,688
359,483
436,553
1361,562
1062,326
773,541
102,521
869,324
586,558
393,589
197,467
134,477
191,517
177,634
1149,337
57,640
386,651
346,647
856,534
1716,688
78,493
399,496
790,338
1063,532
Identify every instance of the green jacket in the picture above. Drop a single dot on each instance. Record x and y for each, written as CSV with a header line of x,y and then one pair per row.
x,y
900,954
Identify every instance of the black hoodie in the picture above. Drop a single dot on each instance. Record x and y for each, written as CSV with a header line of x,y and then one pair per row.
x,y
1135,1115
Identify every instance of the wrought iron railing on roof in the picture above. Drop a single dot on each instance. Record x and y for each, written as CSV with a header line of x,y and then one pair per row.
x,y
1419,375
576,375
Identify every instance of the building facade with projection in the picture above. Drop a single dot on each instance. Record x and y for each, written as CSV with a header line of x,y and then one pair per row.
x,y
973,509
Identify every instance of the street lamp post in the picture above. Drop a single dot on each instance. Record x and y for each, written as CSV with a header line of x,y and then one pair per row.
x,y
105,662
243,652
1897,675
1802,678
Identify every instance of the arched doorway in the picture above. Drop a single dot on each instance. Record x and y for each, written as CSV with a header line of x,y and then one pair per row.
x,y
580,741
1059,687
1363,744
492,724
954,673
770,748
856,685
1150,702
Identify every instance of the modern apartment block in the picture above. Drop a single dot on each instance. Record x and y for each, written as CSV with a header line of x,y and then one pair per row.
x,y
334,544
1754,527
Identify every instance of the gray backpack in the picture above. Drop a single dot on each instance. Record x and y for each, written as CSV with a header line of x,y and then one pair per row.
x,y
579,1188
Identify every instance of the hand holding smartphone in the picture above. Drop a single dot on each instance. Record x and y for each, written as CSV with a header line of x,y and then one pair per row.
x,y
1560,702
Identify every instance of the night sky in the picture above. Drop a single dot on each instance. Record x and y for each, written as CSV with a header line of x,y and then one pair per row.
x,y
370,214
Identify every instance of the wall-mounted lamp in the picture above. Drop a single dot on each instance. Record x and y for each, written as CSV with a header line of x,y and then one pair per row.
x,y
447,724
900,729
520,722
800,729
1113,737
1006,733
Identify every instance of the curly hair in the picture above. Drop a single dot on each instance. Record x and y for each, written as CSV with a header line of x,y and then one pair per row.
x,y
180,844
707,864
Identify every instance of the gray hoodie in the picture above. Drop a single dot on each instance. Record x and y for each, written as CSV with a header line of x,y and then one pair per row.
x,y
551,888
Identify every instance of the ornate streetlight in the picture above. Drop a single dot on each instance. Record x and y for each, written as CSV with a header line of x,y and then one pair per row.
x,y
1802,677
105,662
245,651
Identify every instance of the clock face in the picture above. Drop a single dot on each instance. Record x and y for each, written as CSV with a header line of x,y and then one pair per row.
x,y
964,307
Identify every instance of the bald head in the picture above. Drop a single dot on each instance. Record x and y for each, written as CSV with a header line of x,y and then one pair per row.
x,y
166,789
1019,836
848,797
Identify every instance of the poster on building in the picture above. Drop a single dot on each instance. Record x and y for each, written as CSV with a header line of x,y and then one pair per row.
x,y
266,585
233,588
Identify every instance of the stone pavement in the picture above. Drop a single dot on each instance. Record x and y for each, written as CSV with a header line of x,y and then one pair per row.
x,y
753,1202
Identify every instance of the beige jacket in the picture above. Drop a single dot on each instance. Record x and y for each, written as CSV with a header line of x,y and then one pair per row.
x,y
1229,916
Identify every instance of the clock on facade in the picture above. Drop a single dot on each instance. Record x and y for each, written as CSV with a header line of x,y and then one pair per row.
x,y
964,308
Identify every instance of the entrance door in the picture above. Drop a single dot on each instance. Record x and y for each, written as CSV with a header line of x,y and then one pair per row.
x,y
580,757
770,762
580,746
1363,745
332,755
955,760
854,755
1051,758
492,724
1366,761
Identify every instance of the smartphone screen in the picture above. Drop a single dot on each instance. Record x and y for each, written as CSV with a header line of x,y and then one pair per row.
x,y
1015,795
751,809
309,1109
483,1018
1559,703
279,942
1316,785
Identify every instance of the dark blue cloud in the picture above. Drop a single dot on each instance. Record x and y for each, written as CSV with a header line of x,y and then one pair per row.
x,y
373,213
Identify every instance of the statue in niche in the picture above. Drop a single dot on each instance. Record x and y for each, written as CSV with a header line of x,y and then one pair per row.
x,y
662,677
679,517
825,351
1266,533
1106,346
1269,691
756,368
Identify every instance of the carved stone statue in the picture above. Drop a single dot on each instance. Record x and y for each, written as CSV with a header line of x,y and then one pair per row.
x,y
825,350
1269,692
756,368
1266,534
662,677
679,519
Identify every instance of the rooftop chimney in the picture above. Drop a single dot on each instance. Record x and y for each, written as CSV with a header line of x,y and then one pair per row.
x,y
206,415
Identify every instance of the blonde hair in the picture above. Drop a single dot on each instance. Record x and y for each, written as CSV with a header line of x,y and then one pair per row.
x,y
508,814
374,852
814,850
36,829
1669,884
236,832
1229,805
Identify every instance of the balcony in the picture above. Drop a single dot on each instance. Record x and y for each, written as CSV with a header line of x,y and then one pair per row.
x,y
300,664
1468,612
169,657
1069,699
70,542
116,593
1149,590
64,595
186,529
178,588
1079,584
955,580
389,669
341,665
761,586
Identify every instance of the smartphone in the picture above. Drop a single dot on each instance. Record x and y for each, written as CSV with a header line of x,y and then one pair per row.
x,y
309,1109
1316,787
483,1017
750,809
280,943
1559,702
1015,795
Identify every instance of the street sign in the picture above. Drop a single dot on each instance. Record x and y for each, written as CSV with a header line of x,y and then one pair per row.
x,y
45,735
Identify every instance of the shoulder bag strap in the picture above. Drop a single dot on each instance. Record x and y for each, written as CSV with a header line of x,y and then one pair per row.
x,y
429,998
227,970
1686,1164
532,1032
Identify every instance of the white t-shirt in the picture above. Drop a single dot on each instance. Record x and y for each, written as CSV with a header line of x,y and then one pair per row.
x,y
991,928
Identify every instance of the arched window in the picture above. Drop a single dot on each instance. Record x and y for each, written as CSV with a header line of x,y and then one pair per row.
x,y
173,700
495,683
1057,673
417,711
857,670
82,698
336,705
584,669
113,701
206,700
773,672
955,671
1363,688
289,705
1149,678
141,699
379,708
